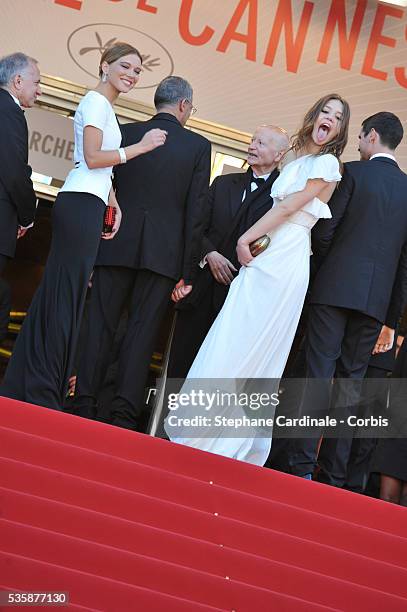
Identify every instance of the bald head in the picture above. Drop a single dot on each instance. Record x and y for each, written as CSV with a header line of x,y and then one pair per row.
x,y
268,145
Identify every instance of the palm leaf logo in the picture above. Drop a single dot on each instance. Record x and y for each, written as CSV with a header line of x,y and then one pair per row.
x,y
100,46
149,63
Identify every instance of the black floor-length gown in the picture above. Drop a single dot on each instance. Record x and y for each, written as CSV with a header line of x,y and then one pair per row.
x,y
41,362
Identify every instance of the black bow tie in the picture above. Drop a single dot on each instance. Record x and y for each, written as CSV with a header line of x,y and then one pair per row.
x,y
259,181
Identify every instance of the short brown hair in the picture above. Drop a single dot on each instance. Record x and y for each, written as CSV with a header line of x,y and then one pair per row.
x,y
337,145
115,52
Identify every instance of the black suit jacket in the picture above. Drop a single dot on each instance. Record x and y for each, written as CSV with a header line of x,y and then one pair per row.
x,y
363,249
17,197
229,218
163,196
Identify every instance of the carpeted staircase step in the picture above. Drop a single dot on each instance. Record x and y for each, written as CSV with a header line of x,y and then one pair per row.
x,y
262,580
216,558
199,465
154,526
213,526
98,593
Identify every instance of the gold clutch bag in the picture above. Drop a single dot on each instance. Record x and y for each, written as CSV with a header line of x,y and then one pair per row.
x,y
258,246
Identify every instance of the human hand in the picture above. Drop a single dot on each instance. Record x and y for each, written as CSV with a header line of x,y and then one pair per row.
x,y
221,267
116,225
153,139
243,253
21,231
385,341
71,386
180,291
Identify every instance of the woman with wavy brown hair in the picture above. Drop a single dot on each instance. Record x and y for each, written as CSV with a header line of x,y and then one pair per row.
x,y
335,144
252,335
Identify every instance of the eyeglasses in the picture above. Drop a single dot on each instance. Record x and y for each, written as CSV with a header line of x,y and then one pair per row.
x,y
193,108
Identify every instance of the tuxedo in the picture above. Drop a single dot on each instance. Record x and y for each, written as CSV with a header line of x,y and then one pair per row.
x,y
229,218
17,197
163,198
366,268
360,283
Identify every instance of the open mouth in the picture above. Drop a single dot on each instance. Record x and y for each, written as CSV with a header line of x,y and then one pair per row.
x,y
127,82
323,131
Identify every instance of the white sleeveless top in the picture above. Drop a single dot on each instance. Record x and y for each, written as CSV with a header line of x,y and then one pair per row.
x,y
294,177
96,110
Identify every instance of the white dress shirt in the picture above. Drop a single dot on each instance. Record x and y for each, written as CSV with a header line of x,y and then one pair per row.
x,y
383,155
16,100
253,187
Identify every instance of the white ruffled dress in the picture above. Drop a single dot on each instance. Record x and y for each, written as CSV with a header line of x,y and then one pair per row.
x,y
253,333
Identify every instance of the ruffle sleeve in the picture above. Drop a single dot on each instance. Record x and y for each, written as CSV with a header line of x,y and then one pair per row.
x,y
295,175
325,167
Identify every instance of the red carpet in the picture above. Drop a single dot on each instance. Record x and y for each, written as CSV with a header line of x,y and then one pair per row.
x,y
127,522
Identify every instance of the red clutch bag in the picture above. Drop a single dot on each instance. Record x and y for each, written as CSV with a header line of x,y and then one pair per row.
x,y
109,219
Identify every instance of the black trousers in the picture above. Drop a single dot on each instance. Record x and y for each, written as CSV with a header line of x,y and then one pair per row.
x,y
339,340
41,363
147,295
5,299
375,390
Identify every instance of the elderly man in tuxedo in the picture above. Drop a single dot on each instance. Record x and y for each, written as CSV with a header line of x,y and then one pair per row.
x,y
163,196
19,88
359,290
237,201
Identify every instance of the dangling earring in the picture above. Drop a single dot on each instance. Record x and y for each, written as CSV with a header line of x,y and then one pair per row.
x,y
104,77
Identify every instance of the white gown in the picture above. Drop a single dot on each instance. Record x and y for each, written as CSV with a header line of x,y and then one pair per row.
x,y
252,336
